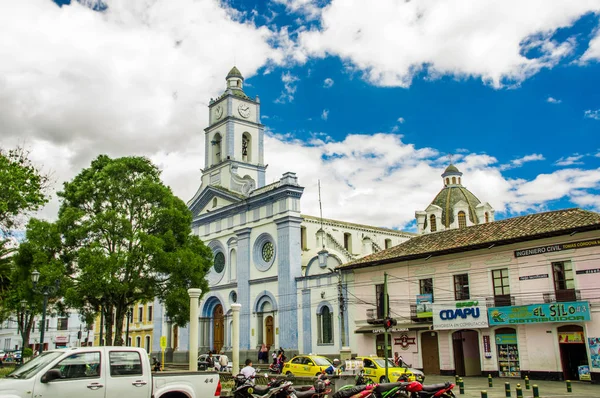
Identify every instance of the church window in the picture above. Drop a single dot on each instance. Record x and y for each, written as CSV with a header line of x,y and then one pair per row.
x,y
216,148
433,223
303,238
487,217
214,202
219,262
459,180
388,243
348,242
453,180
325,326
268,251
462,219
246,147
447,181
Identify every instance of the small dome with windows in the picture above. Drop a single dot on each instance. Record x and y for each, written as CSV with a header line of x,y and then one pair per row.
x,y
453,207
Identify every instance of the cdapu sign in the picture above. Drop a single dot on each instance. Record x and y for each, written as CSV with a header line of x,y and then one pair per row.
x,y
465,314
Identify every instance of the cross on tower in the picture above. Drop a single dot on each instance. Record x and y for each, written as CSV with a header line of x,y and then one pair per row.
x,y
450,158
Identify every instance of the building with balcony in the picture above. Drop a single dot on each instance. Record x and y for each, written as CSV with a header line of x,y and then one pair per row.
x,y
514,297
140,326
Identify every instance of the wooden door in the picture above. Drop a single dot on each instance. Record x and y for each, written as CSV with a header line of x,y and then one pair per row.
x,y
459,354
431,353
218,328
270,336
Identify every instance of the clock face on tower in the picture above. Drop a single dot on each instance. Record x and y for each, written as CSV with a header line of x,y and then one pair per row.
x,y
219,112
244,110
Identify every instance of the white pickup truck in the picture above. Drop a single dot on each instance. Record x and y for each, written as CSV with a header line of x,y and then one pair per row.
x,y
103,372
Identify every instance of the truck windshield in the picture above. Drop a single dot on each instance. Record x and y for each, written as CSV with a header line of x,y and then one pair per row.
x,y
32,367
381,363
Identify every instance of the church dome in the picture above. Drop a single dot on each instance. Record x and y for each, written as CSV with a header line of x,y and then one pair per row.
x,y
451,169
447,199
234,72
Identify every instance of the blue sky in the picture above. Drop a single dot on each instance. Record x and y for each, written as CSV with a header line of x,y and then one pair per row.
x,y
371,98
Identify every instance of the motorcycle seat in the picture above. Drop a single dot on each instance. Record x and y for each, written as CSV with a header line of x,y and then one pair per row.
x,y
261,390
383,387
304,394
436,387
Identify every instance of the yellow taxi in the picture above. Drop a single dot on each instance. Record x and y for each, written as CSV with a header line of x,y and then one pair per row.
x,y
374,368
306,365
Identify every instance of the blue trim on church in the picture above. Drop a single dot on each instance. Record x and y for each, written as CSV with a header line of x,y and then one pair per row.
x,y
306,322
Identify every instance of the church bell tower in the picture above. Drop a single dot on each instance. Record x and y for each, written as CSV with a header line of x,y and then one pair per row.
x,y
234,140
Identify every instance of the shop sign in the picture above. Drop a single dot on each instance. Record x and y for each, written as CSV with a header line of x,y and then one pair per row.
x,y
61,339
588,271
460,315
510,338
404,341
556,248
584,373
571,338
594,344
424,305
530,277
390,330
576,311
487,347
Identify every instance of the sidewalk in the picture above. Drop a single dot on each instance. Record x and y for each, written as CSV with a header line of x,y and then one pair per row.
x,y
474,385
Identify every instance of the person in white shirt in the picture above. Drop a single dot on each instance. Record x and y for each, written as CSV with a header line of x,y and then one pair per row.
x,y
248,371
223,361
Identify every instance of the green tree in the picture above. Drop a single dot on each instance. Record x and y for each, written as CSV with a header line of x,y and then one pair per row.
x,y
127,240
40,251
24,188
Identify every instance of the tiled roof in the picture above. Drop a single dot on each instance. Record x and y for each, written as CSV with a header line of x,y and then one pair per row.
x,y
448,197
348,224
507,231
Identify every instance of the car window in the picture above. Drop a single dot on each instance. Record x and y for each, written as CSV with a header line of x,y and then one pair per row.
x,y
298,360
309,362
368,364
125,363
322,361
79,366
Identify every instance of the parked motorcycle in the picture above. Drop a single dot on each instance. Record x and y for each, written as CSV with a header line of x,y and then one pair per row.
x,y
434,390
384,390
244,388
319,390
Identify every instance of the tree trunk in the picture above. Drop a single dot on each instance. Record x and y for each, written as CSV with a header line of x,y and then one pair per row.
x,y
25,321
119,315
109,323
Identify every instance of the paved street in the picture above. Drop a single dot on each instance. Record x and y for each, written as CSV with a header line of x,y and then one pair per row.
x,y
474,385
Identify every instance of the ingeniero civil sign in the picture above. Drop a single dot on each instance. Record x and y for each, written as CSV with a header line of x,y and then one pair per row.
x,y
461,314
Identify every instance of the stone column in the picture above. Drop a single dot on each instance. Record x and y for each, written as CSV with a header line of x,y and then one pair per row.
x,y
235,338
243,287
289,267
193,336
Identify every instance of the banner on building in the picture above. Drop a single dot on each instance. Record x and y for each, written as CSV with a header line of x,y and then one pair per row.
x,y
594,344
487,347
571,338
61,339
576,311
459,315
424,302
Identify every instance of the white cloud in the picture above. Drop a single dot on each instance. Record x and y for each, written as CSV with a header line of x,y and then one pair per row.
x,y
592,114
489,40
328,83
553,100
401,120
520,161
593,51
308,8
325,114
569,160
289,88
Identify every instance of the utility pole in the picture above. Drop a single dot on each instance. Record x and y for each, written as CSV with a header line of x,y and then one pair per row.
x,y
342,307
386,312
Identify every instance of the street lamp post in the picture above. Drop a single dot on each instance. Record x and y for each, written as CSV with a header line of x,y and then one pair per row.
x,y
47,291
24,323
129,314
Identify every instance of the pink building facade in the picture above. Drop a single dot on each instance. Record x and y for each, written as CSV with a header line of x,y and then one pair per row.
x,y
514,297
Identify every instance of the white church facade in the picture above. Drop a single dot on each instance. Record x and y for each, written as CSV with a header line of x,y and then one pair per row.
x,y
266,252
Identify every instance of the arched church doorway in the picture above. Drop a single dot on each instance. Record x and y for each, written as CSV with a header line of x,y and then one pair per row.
x,y
573,354
467,359
269,332
218,328
430,349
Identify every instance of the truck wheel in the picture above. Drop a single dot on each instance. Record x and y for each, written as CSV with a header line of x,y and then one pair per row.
x,y
289,374
383,379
